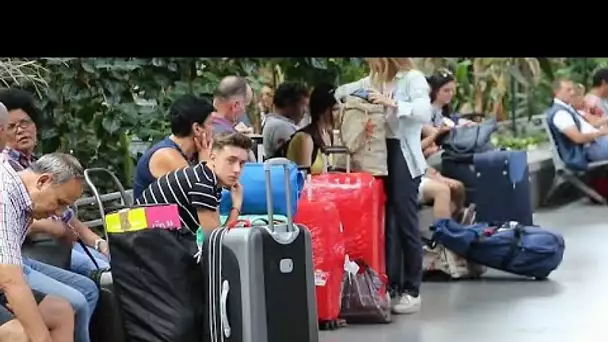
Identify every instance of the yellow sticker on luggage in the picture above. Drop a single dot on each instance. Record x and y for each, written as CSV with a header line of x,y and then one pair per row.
x,y
126,220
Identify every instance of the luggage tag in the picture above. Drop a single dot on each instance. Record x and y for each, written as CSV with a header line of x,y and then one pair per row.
x,y
200,239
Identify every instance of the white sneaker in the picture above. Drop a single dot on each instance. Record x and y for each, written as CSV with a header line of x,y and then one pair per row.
x,y
406,304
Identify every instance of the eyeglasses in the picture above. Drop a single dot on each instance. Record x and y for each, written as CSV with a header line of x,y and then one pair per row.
x,y
23,123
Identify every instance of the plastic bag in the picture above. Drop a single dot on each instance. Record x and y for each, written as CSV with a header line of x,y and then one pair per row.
x,y
323,222
364,297
360,200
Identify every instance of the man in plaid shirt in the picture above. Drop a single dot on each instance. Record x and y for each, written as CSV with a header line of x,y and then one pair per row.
x,y
21,140
73,285
45,189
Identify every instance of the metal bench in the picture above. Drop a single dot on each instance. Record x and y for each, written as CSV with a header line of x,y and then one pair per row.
x,y
125,196
564,175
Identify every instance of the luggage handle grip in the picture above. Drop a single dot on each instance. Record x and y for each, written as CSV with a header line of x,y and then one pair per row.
x,y
267,167
224,309
241,222
335,150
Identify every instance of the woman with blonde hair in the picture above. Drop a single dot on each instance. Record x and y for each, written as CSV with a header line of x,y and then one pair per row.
x,y
404,92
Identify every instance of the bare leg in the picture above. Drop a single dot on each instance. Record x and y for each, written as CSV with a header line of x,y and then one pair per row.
x,y
59,318
13,332
438,192
457,191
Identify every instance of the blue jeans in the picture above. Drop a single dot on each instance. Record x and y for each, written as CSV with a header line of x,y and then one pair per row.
x,y
82,264
81,292
598,149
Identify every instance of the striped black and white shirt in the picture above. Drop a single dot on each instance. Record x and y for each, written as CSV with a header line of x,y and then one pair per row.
x,y
191,188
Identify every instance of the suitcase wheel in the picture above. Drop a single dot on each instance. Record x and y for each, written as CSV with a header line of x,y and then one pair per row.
x,y
330,325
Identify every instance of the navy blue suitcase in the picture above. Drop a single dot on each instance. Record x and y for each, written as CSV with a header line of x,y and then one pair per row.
x,y
503,187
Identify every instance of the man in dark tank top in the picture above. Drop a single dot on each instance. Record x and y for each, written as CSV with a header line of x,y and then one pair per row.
x,y
190,138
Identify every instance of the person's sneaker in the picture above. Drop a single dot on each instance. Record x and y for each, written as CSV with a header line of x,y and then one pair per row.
x,y
406,304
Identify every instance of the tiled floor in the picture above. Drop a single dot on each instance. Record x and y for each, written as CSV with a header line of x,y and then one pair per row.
x,y
571,307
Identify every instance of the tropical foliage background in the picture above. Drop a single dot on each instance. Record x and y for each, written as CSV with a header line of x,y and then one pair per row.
x,y
96,107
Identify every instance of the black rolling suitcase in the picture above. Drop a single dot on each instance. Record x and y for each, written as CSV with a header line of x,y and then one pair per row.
x,y
157,282
259,281
503,187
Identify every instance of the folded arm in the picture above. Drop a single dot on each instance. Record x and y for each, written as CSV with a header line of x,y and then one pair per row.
x,y
202,197
412,97
565,123
349,88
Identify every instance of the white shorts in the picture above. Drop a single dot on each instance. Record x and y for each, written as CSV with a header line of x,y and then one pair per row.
x,y
423,181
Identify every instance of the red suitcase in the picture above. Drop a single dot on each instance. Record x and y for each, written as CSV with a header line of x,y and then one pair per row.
x,y
360,200
323,221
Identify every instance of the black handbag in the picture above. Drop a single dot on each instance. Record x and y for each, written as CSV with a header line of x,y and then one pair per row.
x,y
470,139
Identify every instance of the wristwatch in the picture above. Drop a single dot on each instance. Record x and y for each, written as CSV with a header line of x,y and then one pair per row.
x,y
97,243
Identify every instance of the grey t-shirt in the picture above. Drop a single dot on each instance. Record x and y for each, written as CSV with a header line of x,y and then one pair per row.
x,y
276,131
604,105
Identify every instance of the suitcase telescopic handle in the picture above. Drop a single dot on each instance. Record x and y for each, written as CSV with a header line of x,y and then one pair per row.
x,y
267,168
307,170
329,150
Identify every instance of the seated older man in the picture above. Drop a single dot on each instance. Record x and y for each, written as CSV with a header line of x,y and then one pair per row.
x,y
51,184
79,290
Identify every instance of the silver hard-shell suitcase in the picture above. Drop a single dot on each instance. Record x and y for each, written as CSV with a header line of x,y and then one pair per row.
x,y
260,280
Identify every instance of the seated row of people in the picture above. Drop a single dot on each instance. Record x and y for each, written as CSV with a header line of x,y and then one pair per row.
x,y
52,216
193,167
67,298
578,124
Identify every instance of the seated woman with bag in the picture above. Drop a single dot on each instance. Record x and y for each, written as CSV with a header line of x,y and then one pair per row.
x,y
443,88
304,147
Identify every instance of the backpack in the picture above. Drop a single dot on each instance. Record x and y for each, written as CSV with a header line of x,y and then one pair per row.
x,y
525,250
362,127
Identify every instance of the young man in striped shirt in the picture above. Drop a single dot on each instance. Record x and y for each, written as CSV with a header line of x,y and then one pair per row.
x,y
197,189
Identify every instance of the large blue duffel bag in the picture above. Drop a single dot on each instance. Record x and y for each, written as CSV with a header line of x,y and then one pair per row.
x,y
524,250
254,190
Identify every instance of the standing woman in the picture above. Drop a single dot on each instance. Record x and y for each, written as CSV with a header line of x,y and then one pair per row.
x,y
404,92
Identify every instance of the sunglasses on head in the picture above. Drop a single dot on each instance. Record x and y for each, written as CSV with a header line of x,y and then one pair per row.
x,y
443,72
